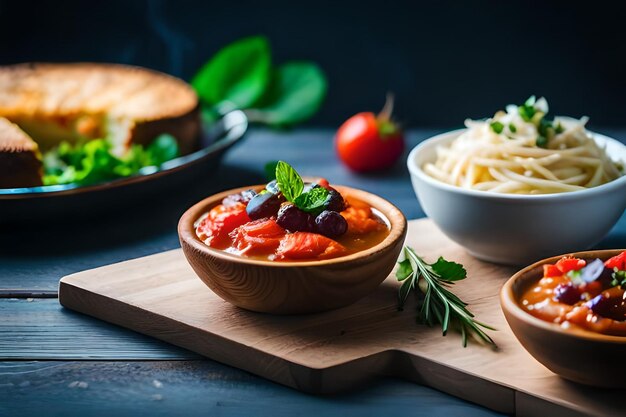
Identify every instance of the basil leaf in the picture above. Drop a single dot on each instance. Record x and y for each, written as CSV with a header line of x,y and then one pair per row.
x,y
238,73
289,181
512,128
296,92
448,270
313,201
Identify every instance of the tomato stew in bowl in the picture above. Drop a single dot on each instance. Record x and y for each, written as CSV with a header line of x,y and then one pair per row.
x,y
271,224
307,248
576,293
567,313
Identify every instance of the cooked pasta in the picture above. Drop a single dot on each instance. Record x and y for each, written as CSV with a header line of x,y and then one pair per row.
x,y
519,151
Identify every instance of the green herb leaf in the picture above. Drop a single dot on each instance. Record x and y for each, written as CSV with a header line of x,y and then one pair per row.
x,y
439,304
619,277
527,113
313,201
559,128
530,101
497,127
544,127
295,94
270,170
527,110
404,291
542,141
512,128
448,270
289,181
404,270
238,73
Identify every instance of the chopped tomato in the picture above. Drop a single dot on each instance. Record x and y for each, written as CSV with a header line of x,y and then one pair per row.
x,y
570,264
305,245
593,288
551,271
361,220
618,261
220,221
259,237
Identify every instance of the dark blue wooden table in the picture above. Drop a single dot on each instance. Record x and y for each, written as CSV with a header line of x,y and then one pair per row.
x,y
54,362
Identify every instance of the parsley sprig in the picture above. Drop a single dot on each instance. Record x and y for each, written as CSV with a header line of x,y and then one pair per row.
x,y
438,303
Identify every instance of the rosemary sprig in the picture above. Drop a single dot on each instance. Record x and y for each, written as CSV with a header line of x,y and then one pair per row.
x,y
439,304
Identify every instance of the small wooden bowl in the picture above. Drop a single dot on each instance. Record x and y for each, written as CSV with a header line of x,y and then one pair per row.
x,y
293,287
575,354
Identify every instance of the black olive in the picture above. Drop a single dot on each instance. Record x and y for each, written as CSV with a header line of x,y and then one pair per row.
x,y
264,205
293,219
330,224
334,201
567,293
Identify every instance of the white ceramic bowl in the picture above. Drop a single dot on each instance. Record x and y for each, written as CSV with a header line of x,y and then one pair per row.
x,y
518,229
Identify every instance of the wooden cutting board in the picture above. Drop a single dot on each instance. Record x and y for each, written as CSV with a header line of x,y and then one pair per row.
x,y
160,296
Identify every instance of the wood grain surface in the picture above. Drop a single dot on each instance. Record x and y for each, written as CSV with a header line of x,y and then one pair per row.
x,y
160,296
198,388
41,329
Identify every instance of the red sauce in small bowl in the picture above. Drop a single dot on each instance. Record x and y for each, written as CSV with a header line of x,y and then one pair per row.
x,y
572,295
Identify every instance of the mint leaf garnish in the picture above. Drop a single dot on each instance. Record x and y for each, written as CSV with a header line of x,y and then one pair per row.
x,y
313,201
289,181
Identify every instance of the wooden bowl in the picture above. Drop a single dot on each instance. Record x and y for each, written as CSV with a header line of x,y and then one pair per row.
x,y
293,287
575,354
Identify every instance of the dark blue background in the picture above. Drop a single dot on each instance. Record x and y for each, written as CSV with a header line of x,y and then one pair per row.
x,y
446,60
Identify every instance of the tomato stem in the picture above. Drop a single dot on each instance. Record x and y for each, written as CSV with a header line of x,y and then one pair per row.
x,y
385,113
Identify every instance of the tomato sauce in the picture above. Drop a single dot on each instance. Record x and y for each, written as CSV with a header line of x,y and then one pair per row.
x,y
228,227
576,294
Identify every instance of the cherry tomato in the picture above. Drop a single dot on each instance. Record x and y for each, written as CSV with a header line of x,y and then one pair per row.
x,y
551,271
369,142
618,261
570,264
